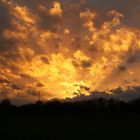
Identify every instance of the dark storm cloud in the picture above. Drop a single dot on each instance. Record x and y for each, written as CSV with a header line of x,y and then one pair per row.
x,y
82,87
3,81
32,92
129,8
45,60
26,77
130,93
134,57
5,23
9,84
9,42
48,22
15,86
40,8
122,68
77,42
33,4
39,84
118,90
10,57
86,64
23,75
5,17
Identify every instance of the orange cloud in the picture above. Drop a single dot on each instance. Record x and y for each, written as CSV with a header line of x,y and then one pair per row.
x,y
56,10
60,53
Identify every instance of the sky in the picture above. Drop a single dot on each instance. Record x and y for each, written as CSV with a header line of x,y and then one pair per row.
x,y
65,48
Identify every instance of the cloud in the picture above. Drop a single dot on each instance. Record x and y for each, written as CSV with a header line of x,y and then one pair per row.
x,y
86,64
3,81
48,22
15,86
45,60
5,22
39,84
128,94
51,45
133,57
5,19
32,92
122,68
56,10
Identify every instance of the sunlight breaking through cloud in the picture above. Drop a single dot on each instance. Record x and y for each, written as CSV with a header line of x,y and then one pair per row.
x,y
60,50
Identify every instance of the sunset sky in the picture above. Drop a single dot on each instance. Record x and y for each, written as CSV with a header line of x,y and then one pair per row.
x,y
60,48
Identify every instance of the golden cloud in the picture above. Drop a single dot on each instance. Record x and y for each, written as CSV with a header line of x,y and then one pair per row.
x,y
59,54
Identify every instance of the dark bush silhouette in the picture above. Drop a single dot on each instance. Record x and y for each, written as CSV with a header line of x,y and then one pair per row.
x,y
6,107
99,105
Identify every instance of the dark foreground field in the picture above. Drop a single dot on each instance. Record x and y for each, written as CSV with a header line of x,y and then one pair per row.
x,y
107,126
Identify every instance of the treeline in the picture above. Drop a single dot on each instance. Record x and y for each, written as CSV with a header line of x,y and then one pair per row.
x,y
100,105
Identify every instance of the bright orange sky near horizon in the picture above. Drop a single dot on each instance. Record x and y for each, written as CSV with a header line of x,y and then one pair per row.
x,y
62,48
